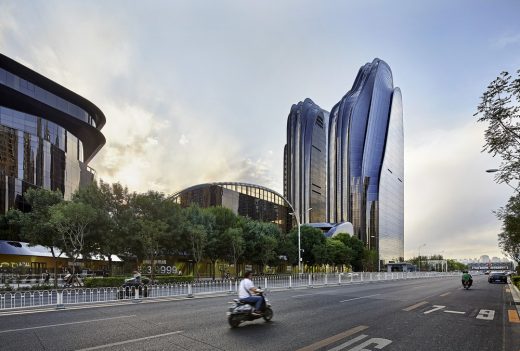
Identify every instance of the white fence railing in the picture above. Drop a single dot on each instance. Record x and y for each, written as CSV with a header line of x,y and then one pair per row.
x,y
59,298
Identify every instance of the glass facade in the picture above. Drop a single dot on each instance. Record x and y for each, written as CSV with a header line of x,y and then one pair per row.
x,y
35,149
248,200
365,161
305,161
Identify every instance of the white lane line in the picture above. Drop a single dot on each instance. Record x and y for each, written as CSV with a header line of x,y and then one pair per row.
x,y
348,343
456,312
129,341
437,307
445,294
62,324
362,297
302,295
413,307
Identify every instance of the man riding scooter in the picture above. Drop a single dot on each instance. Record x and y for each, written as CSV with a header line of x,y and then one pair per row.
x,y
247,291
467,279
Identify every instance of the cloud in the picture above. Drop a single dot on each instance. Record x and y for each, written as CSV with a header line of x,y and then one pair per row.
x,y
449,198
183,140
507,40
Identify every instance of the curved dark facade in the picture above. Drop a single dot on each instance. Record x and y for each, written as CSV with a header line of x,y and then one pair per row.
x,y
365,161
305,161
48,134
248,200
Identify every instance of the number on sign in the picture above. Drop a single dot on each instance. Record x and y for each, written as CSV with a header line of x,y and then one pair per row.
x,y
377,342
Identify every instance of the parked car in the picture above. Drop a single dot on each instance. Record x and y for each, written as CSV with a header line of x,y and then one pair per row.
x,y
486,272
131,285
497,277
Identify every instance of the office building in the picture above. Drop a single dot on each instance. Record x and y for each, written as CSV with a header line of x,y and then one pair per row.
x,y
48,135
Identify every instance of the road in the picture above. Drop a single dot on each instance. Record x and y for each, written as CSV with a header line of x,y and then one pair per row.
x,y
422,314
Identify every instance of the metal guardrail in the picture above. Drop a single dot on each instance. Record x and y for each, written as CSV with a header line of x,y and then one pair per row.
x,y
72,296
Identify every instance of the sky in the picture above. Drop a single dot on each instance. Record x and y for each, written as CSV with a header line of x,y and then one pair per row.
x,y
199,91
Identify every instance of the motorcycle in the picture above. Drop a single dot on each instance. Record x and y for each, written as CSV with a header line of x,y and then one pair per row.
x,y
242,312
466,284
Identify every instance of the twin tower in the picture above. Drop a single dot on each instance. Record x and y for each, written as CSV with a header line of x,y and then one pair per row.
x,y
348,165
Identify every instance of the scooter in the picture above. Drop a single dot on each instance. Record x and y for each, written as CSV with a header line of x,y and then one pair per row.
x,y
242,312
466,284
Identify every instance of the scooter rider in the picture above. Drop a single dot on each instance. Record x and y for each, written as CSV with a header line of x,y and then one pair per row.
x,y
466,277
246,290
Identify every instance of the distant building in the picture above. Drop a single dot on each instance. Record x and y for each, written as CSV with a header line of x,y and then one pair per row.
x,y
247,200
48,135
305,161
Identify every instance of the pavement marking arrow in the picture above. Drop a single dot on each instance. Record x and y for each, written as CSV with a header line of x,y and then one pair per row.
x,y
455,312
437,307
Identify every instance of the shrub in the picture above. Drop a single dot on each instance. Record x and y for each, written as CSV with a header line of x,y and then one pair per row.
x,y
515,279
99,282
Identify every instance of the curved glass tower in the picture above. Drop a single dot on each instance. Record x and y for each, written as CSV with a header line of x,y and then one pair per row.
x,y
305,161
48,134
365,161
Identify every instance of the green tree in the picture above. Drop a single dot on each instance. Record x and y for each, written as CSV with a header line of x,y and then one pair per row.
x,y
35,225
370,260
216,246
236,245
509,238
338,252
11,225
200,222
312,244
357,247
71,220
456,266
500,108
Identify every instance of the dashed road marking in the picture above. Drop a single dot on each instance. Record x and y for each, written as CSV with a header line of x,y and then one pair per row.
x,y
325,342
513,316
409,308
445,294
455,312
129,341
362,297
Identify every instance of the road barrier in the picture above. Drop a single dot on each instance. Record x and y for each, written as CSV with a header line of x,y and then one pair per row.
x,y
72,296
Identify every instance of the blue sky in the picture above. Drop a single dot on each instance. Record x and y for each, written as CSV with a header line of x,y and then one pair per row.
x,y
198,91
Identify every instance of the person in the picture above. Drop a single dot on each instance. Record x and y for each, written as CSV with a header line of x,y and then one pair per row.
x,y
246,291
46,276
466,277
137,276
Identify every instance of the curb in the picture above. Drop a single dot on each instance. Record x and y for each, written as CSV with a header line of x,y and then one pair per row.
x,y
515,293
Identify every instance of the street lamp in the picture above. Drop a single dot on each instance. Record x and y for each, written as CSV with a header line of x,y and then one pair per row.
x,y
299,237
423,245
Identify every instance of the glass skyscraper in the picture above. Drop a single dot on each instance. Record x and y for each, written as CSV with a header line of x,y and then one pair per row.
x,y
361,163
48,134
305,161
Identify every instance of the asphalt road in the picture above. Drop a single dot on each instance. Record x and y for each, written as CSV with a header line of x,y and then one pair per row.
x,y
422,314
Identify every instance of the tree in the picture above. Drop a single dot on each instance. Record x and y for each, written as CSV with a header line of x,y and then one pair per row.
x,y
311,238
357,247
36,228
71,220
11,225
200,222
216,246
500,107
509,238
236,245
370,260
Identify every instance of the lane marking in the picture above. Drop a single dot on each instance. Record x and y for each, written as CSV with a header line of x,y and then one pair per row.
x,y
362,297
348,343
302,295
487,315
413,307
130,341
456,312
508,290
437,307
62,324
325,342
513,316
445,294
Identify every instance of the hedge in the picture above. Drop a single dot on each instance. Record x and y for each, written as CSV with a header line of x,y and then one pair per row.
x,y
516,280
100,282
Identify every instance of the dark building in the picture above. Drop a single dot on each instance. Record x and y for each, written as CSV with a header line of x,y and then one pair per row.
x,y
366,161
305,161
48,135
247,200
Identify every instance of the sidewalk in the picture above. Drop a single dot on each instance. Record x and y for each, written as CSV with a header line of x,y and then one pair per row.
x,y
515,293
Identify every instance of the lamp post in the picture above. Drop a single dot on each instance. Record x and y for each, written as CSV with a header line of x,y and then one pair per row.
x,y
299,237
423,245
494,170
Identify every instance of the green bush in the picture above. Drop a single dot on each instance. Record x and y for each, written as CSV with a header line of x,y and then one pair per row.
x,y
173,279
99,282
515,279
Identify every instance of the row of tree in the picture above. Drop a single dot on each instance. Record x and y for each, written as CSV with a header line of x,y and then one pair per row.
x,y
500,109
103,219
